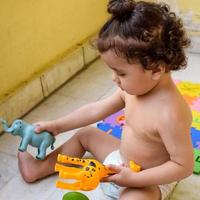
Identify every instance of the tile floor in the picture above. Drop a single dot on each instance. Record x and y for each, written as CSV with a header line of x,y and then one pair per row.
x,y
90,85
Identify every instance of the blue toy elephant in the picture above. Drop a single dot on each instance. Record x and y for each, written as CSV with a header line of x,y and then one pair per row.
x,y
26,131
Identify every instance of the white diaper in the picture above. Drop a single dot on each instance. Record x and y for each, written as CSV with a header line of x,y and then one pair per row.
x,y
167,190
112,190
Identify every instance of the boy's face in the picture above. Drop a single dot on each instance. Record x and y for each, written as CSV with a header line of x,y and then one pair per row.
x,y
131,78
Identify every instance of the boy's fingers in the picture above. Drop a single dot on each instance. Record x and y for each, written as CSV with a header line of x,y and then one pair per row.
x,y
43,126
104,179
111,178
38,127
115,168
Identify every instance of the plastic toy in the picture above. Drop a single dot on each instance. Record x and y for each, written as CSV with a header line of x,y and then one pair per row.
x,y
113,124
26,131
74,196
115,131
116,119
197,161
195,134
87,172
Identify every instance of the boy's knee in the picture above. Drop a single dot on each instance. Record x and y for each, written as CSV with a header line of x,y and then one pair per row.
x,y
84,135
84,132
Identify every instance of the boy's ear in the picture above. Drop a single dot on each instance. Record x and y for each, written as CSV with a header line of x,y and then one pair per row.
x,y
158,72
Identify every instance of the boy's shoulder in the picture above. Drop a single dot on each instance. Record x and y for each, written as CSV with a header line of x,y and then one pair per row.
x,y
175,110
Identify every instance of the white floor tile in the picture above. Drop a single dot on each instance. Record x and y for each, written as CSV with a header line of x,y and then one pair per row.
x,y
188,189
17,189
8,169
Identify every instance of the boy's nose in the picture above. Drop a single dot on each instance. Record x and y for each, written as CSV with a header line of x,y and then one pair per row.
x,y
115,78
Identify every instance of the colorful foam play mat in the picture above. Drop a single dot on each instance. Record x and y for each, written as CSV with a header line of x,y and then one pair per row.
x,y
191,93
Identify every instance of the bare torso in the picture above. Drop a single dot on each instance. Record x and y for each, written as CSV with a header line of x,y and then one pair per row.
x,y
141,141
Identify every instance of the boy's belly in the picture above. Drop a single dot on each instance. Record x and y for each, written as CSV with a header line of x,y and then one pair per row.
x,y
145,152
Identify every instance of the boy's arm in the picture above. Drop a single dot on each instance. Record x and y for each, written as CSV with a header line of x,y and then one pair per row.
x,y
91,113
176,137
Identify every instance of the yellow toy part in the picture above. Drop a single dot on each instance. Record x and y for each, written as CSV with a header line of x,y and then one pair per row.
x,y
134,166
196,119
189,89
87,172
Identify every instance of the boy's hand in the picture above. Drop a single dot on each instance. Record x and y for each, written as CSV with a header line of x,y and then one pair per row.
x,y
49,126
123,177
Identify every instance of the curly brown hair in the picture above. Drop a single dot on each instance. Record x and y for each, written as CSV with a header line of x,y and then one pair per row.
x,y
144,31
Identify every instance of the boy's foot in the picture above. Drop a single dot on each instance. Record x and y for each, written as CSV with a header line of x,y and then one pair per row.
x,y
28,167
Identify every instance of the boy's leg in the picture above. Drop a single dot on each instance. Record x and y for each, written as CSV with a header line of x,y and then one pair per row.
x,y
148,193
89,139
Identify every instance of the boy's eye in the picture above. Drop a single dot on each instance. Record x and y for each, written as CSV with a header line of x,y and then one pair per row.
x,y
121,75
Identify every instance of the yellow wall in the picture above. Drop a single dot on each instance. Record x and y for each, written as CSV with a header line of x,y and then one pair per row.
x,y
186,5
33,33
